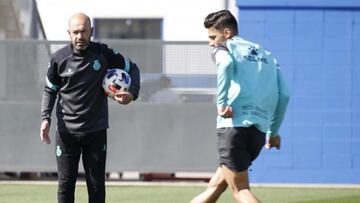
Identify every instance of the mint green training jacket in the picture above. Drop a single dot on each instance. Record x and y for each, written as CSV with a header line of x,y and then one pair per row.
x,y
249,80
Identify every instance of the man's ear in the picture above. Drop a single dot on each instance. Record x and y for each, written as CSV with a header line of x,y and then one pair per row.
x,y
227,33
92,31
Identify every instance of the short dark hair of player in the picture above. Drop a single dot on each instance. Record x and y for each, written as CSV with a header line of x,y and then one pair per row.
x,y
220,20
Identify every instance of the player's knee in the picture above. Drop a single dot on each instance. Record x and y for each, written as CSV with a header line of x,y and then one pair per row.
x,y
219,186
236,188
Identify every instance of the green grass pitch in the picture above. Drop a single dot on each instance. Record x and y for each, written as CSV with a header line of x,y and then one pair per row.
x,y
35,193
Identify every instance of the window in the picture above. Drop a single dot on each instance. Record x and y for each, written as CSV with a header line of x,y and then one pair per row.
x,y
129,28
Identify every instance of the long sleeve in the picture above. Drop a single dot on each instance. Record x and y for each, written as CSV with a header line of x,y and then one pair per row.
x,y
134,73
282,103
50,91
47,104
116,60
224,64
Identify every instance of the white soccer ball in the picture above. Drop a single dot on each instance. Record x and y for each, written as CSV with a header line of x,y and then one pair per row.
x,y
116,80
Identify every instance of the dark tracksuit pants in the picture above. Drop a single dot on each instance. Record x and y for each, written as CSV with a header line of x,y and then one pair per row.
x,y
92,147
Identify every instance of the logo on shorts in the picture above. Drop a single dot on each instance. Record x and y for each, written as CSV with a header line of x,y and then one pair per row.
x,y
96,65
58,151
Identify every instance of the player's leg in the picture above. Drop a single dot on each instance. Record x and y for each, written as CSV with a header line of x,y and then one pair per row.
x,y
239,185
94,160
216,187
67,156
238,147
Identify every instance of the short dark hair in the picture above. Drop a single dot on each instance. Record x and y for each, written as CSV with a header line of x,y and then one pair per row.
x,y
220,20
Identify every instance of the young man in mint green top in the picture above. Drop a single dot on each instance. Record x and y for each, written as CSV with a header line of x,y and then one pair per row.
x,y
251,102
250,82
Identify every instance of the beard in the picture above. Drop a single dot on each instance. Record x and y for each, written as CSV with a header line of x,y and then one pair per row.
x,y
81,45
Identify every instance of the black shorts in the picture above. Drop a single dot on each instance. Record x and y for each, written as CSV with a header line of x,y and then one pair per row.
x,y
239,146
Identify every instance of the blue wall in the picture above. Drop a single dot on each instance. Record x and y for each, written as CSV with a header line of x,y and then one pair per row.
x,y
317,44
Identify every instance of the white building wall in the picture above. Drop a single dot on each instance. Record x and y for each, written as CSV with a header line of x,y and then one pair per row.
x,y
183,19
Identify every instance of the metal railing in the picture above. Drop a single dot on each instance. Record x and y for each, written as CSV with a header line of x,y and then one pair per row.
x,y
148,135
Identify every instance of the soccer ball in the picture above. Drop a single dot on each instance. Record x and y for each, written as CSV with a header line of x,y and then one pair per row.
x,y
116,80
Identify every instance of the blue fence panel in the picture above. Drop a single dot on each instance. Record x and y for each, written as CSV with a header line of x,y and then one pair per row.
x,y
315,43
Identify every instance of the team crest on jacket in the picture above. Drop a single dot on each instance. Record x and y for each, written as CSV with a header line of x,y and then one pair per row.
x,y
96,64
